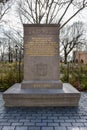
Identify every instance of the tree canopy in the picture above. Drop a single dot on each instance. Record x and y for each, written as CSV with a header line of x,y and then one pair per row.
x,y
72,37
49,11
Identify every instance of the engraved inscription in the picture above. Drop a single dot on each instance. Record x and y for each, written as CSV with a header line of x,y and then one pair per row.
x,y
41,85
41,47
41,69
40,31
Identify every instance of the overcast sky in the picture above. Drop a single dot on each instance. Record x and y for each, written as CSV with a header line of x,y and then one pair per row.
x,y
82,16
13,20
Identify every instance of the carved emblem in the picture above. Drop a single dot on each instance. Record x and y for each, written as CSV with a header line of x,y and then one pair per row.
x,y
41,69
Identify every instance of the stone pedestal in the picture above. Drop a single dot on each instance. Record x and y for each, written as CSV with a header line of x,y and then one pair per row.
x,y
15,96
41,85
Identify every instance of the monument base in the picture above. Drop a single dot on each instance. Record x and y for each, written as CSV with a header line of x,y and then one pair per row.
x,y
15,96
42,84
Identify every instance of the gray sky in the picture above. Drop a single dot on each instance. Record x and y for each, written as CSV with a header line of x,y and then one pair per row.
x,y
12,16
14,22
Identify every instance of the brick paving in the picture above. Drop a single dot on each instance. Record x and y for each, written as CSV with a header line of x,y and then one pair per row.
x,y
50,118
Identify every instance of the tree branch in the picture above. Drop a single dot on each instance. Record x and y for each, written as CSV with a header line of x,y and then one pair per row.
x,y
72,17
65,11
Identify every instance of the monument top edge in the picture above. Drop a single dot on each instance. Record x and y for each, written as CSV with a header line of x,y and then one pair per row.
x,y
41,25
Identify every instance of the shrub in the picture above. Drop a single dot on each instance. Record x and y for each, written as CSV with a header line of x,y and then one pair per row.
x,y
10,75
76,75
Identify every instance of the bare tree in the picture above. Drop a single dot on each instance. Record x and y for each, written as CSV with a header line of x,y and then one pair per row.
x,y
14,35
3,47
8,39
3,1
5,5
49,11
71,37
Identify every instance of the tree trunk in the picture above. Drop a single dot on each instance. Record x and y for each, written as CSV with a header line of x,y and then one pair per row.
x,y
65,57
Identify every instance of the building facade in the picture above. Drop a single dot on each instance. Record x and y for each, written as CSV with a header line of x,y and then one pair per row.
x,y
80,57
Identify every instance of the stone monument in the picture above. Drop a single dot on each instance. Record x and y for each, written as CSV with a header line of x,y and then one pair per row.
x,y
41,85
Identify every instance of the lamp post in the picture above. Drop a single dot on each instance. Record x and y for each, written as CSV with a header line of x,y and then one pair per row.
x,y
68,71
19,64
16,49
11,57
20,58
9,54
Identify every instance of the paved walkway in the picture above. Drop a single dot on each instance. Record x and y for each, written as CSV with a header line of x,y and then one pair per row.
x,y
57,118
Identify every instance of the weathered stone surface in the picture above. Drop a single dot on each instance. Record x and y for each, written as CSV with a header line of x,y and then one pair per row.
x,y
15,96
41,57
42,84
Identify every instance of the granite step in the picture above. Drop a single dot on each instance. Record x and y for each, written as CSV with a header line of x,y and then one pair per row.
x,y
15,96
